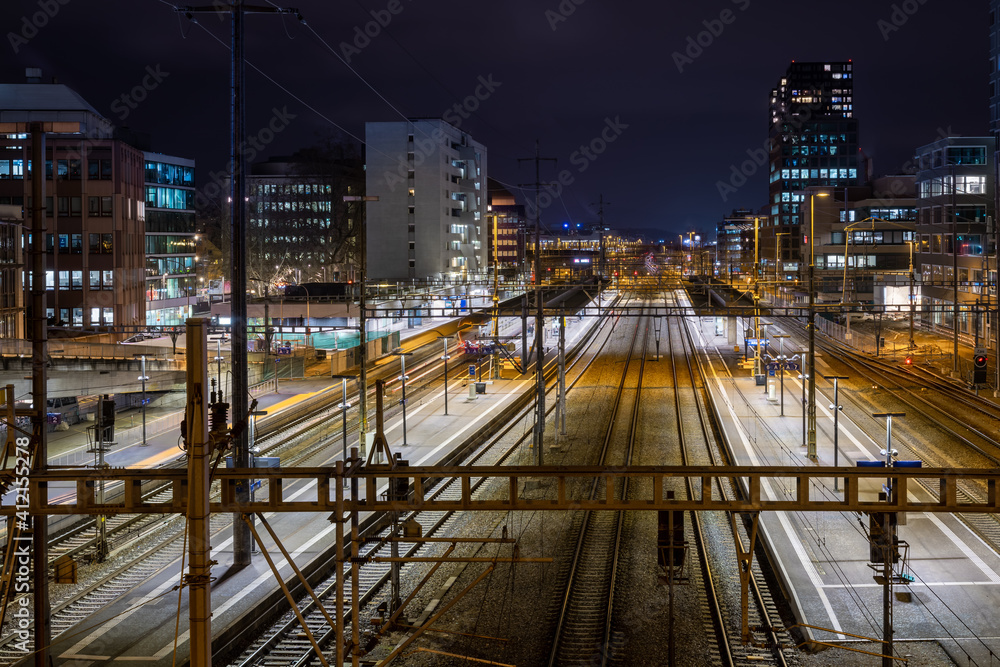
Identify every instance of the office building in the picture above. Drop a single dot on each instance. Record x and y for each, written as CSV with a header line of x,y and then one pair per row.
x,y
94,202
813,141
865,242
429,222
955,186
171,239
735,245
300,228
507,228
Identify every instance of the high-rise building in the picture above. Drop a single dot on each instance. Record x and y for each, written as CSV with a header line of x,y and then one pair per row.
x,y
813,142
429,222
995,87
171,239
95,227
995,67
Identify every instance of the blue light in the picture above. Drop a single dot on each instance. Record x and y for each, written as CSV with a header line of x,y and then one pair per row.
x,y
565,225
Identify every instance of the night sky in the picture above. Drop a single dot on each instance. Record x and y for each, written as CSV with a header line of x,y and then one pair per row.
x,y
560,72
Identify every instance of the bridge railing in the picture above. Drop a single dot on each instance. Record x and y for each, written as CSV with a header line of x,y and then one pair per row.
x,y
60,348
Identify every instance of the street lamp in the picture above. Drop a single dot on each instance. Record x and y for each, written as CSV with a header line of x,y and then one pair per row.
x,y
781,368
398,352
836,407
344,406
777,259
811,407
803,377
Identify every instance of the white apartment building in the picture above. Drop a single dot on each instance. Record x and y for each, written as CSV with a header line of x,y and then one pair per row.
x,y
429,222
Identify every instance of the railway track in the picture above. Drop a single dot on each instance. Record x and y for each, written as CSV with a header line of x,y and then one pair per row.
x,y
283,645
719,536
585,617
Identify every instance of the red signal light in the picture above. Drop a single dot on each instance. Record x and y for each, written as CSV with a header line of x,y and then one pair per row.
x,y
908,361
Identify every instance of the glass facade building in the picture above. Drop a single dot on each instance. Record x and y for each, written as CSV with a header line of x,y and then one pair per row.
x,y
171,239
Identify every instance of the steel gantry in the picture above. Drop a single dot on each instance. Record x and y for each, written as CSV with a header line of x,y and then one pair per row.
x,y
861,487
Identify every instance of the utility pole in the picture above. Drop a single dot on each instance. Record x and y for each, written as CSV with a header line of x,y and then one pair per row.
x,y
561,400
39,332
362,322
539,308
601,254
495,368
602,227
39,387
954,275
199,515
238,9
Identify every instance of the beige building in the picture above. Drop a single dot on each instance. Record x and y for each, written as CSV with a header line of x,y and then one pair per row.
x,y
95,208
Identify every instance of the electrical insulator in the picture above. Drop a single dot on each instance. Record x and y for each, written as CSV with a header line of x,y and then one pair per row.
x,y
219,417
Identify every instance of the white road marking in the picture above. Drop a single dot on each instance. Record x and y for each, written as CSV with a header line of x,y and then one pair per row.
x,y
793,537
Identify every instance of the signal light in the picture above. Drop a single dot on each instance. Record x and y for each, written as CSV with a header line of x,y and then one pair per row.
x,y
908,361
979,361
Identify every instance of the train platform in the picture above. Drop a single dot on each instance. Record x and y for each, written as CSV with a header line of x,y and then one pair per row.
x,y
111,635
73,446
823,559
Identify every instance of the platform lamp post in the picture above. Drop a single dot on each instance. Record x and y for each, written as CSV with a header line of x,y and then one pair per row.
x,y
781,368
398,352
143,378
762,340
344,407
445,357
811,406
803,377
254,451
836,407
